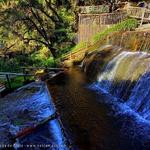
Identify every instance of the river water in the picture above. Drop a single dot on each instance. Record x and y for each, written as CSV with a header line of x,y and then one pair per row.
x,y
93,119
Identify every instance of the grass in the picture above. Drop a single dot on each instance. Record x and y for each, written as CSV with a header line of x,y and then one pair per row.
x,y
79,46
126,25
17,82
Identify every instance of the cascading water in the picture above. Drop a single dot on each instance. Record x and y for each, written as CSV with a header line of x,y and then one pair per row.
x,y
140,97
127,77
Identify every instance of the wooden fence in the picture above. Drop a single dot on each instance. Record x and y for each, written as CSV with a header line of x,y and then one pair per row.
x,y
94,9
90,24
26,69
139,13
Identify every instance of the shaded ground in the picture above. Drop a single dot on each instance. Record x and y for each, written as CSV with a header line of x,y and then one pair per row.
x,y
87,121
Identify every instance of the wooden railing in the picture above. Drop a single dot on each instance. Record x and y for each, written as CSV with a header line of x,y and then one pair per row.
x,y
8,76
102,19
113,18
139,13
90,24
26,72
44,68
94,9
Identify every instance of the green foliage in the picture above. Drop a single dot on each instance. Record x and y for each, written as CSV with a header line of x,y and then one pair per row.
x,y
27,24
42,58
126,25
34,32
16,82
10,65
49,62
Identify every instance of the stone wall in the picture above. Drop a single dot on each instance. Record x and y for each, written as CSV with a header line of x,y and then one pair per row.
x,y
132,40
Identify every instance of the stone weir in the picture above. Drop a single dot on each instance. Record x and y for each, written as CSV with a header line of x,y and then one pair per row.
x,y
131,40
115,43
122,70
28,119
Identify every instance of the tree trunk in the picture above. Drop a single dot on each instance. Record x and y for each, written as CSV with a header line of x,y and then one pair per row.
x,y
53,52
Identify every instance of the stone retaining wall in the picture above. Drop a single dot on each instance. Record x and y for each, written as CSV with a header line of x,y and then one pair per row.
x,y
132,40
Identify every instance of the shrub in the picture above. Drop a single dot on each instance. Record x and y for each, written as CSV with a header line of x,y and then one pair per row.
x,y
10,65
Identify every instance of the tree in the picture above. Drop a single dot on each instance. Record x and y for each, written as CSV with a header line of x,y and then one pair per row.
x,y
36,23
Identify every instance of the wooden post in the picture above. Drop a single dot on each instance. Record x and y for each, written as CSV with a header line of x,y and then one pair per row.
x,y
79,28
143,14
8,81
24,72
70,55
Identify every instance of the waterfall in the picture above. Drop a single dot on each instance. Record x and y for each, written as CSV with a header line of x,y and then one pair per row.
x,y
127,77
107,77
140,97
